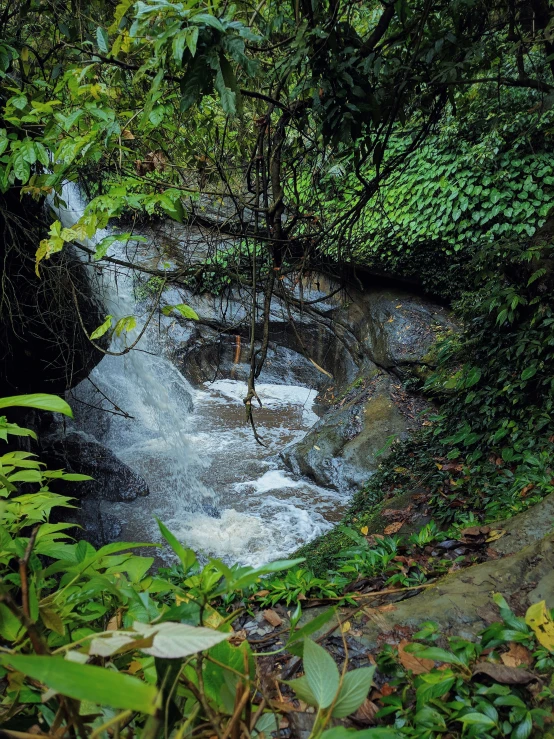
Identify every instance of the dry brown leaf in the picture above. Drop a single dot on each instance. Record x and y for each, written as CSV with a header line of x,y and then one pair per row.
x,y
135,666
261,593
503,674
393,528
115,622
366,713
417,665
272,617
517,655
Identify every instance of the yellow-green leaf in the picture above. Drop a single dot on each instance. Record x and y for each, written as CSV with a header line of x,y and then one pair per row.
x,y
539,619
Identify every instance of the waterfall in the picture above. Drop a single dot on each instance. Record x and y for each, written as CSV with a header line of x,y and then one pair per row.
x,y
155,400
209,481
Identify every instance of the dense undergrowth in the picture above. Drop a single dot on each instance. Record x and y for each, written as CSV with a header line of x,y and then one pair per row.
x,y
95,643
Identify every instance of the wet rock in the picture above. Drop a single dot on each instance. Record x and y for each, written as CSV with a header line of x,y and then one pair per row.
x,y
113,479
345,446
525,528
401,328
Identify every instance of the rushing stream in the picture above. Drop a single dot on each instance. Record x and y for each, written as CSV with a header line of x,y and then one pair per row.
x,y
210,482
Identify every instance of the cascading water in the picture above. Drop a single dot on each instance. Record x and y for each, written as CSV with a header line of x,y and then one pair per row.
x,y
209,481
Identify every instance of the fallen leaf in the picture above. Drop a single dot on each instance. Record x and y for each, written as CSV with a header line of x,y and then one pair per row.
x,y
539,619
495,534
345,627
272,617
134,667
261,593
115,622
417,665
366,713
238,637
393,527
476,531
364,530
517,655
397,514
503,674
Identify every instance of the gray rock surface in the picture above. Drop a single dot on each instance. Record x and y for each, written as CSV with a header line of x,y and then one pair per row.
x,y
347,444
526,528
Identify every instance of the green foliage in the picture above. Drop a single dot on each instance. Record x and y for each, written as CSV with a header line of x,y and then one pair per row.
x,y
455,698
114,644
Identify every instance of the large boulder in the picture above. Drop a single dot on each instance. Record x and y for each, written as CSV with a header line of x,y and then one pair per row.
x,y
346,445
112,480
400,328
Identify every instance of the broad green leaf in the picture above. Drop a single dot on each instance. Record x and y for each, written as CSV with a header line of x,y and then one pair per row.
x,y
102,40
101,330
174,640
477,719
87,682
524,729
127,323
28,151
25,476
528,373
186,556
296,639
303,691
204,19
341,732
185,310
436,654
21,167
268,723
248,576
354,689
192,40
321,672
178,45
42,401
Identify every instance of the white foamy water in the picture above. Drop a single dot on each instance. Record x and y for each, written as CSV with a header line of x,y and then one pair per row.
x,y
217,489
